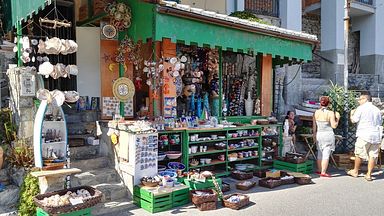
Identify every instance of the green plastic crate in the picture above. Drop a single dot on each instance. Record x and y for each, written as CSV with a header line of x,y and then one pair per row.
x,y
196,185
180,197
148,201
82,212
306,167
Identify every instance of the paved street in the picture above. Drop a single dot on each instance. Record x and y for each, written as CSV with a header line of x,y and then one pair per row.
x,y
340,195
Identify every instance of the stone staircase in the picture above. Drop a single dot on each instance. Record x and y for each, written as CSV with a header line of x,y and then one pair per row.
x,y
98,172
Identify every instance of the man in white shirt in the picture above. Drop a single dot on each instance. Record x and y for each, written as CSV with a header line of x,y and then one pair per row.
x,y
368,119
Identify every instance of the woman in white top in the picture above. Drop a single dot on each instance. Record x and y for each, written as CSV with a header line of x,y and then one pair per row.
x,y
324,121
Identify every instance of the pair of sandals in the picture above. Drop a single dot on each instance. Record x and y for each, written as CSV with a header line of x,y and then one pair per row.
x,y
324,174
355,175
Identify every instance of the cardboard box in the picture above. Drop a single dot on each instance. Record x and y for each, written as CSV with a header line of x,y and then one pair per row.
x,y
275,174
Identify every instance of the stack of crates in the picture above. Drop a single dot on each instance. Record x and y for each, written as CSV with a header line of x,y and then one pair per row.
x,y
81,212
157,201
306,167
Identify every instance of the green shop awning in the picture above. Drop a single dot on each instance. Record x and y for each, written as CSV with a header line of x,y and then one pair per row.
x,y
21,10
194,26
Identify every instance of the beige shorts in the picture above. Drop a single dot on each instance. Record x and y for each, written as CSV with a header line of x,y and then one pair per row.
x,y
364,149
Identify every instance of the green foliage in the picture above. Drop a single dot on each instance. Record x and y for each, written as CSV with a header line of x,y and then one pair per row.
x,y
248,16
7,128
28,190
21,155
339,98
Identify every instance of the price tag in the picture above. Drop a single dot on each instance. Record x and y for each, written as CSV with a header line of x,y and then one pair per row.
x,y
75,201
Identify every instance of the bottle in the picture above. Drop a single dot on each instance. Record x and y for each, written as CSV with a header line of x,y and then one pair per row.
x,y
286,127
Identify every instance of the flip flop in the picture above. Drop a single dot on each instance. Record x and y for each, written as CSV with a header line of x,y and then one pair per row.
x,y
368,178
351,173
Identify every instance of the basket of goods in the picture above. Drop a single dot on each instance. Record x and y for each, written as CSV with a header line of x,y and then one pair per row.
x,y
303,180
53,164
295,158
235,201
245,185
287,179
270,182
240,175
225,187
203,196
59,202
207,206
150,181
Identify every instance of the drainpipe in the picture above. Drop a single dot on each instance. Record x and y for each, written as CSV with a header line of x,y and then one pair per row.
x,y
346,31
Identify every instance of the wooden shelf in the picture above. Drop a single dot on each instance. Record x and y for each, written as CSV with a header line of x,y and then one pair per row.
x,y
209,151
247,137
243,159
245,148
214,162
207,141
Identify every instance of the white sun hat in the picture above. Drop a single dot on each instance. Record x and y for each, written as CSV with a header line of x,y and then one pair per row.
x,y
46,69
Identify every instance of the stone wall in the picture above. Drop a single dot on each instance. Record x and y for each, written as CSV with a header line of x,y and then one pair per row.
x,y
311,25
22,107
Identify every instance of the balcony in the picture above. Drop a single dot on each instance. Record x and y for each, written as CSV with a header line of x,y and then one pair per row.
x,y
358,7
262,7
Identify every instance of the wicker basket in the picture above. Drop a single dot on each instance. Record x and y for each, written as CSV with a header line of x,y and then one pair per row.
x,y
207,206
150,184
262,122
196,199
243,187
290,158
87,202
270,182
303,180
242,175
243,201
53,166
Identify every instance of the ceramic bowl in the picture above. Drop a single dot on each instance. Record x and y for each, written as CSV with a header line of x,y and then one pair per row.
x,y
173,154
176,166
161,168
168,173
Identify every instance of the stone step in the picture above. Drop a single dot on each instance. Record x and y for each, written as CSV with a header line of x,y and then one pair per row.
x,y
95,177
90,164
114,207
84,152
112,191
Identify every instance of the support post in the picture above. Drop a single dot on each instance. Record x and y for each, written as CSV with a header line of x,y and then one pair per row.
x,y
266,85
346,106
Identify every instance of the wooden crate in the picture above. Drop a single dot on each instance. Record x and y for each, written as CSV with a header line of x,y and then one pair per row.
x,y
154,200
82,212
180,197
306,167
151,202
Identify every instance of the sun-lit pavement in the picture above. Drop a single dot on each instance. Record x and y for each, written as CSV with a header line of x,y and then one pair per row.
x,y
339,195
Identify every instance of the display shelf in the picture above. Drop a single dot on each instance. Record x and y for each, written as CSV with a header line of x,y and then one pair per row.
x,y
221,173
245,148
247,137
243,159
214,162
270,135
54,143
210,151
207,141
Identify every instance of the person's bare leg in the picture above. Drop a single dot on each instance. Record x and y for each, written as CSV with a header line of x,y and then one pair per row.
x,y
319,166
371,165
324,166
357,164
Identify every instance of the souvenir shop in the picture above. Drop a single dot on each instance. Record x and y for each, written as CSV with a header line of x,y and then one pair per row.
x,y
186,98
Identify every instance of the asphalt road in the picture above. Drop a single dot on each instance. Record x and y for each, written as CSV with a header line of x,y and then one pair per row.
x,y
339,195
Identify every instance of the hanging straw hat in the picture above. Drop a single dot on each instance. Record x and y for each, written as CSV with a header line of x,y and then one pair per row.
x,y
46,69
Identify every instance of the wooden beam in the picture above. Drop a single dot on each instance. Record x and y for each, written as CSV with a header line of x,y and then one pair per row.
x,y
266,85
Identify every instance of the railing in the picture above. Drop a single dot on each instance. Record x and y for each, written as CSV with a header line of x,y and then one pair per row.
x,y
263,7
368,2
